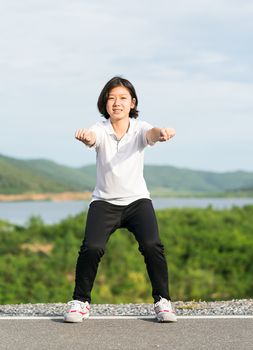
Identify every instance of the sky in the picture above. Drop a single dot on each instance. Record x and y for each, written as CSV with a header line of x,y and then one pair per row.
x,y
191,62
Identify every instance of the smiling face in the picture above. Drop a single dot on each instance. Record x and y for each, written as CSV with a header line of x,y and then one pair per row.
x,y
119,103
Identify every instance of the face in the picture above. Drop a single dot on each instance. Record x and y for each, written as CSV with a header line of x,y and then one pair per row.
x,y
119,103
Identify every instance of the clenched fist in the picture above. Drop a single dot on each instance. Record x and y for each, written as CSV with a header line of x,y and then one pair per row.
x,y
86,136
166,134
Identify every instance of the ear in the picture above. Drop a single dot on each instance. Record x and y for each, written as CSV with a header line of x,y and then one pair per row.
x,y
133,102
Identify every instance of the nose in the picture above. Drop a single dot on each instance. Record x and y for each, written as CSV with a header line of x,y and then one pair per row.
x,y
116,101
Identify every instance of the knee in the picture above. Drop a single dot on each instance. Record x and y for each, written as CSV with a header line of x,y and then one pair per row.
x,y
91,250
151,247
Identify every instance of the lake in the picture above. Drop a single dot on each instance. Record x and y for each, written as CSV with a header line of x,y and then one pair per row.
x,y
52,212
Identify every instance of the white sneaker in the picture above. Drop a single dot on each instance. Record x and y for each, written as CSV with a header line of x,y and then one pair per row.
x,y
77,311
164,311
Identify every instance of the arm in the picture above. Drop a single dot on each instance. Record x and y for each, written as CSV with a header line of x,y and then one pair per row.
x,y
86,136
159,134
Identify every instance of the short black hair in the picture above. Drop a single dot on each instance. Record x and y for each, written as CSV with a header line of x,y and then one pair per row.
x,y
103,97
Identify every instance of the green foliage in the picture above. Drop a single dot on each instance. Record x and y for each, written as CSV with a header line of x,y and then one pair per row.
x,y
209,253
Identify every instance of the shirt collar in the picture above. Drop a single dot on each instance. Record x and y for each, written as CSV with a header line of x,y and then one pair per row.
x,y
109,128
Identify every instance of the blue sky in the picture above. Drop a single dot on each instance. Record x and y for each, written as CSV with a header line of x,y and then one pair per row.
x,y
189,60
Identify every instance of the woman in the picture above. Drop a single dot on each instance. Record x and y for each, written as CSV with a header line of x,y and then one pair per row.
x,y
120,198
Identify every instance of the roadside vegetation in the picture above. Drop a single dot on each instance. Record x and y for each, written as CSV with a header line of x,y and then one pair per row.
x,y
209,253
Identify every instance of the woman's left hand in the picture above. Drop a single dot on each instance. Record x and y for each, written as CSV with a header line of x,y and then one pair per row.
x,y
166,134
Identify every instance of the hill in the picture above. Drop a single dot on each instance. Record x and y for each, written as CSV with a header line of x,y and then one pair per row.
x,y
187,181
19,176
41,176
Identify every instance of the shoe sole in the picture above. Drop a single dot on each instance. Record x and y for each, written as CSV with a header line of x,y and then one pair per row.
x,y
74,318
166,318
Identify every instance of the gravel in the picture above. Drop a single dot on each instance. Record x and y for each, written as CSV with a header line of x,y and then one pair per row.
x,y
189,308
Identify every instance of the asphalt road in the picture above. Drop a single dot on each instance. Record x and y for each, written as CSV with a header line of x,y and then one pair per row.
x,y
134,334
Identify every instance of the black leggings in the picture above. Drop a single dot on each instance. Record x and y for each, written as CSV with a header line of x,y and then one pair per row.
x,y
102,220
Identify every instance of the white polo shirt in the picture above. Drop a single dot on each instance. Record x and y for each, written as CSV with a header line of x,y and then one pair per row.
x,y
120,163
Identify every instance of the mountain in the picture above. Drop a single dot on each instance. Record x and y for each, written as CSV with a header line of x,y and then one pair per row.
x,y
196,181
41,176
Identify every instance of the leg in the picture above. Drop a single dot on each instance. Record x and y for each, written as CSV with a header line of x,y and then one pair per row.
x,y
141,220
102,220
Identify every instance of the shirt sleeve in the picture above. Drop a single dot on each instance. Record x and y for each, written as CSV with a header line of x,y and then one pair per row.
x,y
98,130
144,128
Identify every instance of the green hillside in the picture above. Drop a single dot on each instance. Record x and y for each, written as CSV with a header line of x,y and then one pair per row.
x,y
196,181
41,176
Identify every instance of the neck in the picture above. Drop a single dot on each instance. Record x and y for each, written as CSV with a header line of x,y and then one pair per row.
x,y
120,127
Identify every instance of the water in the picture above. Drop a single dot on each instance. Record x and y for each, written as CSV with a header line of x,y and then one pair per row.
x,y
52,212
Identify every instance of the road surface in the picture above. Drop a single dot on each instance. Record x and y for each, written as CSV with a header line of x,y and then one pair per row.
x,y
127,333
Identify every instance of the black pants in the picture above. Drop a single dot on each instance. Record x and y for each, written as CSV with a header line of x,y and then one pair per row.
x,y
102,220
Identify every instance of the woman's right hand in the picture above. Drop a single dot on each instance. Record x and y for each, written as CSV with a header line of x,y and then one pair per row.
x,y
86,136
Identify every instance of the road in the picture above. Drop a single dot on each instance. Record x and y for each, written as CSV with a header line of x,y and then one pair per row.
x,y
125,333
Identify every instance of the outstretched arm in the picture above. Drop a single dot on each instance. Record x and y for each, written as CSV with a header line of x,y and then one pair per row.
x,y
159,134
86,136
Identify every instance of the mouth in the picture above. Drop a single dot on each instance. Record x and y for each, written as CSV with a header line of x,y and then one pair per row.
x,y
117,110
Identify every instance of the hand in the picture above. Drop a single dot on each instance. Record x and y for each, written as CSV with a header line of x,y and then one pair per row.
x,y
166,134
84,136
